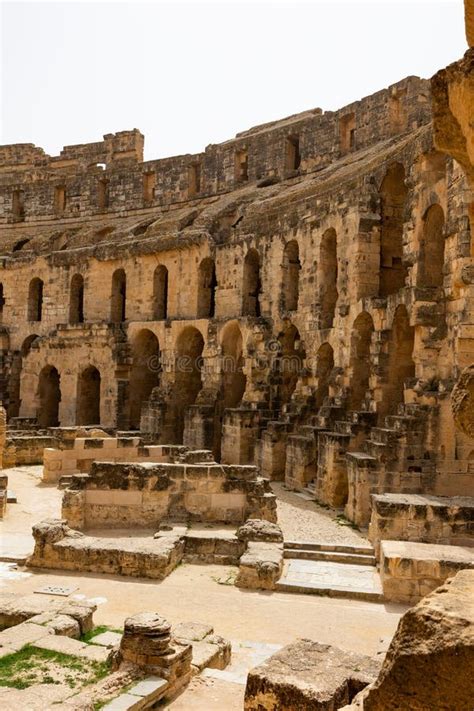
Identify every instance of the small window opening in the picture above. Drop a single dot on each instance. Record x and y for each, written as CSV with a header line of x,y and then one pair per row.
x,y
103,194
18,205
293,156
241,164
149,184
194,179
59,199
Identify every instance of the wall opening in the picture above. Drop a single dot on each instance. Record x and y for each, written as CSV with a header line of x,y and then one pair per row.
x,y
59,199
291,274
103,194
360,360
18,205
393,194
289,363
347,133
431,261
252,286
397,114
76,299
401,366
194,179
293,156
49,396
149,183
119,296
88,397
14,384
327,278
144,374
160,293
207,285
324,366
35,300
2,302
241,165
188,382
233,378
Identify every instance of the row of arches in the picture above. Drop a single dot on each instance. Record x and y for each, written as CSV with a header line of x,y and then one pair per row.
x,y
87,398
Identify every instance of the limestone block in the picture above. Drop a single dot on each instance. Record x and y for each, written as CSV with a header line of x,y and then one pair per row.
x,y
260,566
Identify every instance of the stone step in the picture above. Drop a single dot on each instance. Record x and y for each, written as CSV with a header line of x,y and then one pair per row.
x,y
363,549
359,582
64,481
354,558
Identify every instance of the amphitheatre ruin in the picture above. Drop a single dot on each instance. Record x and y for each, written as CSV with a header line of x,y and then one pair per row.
x,y
237,432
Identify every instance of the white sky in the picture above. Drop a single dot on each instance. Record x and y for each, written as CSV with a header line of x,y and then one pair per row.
x,y
192,73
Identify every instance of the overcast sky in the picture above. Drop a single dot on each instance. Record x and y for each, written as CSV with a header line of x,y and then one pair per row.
x,y
190,74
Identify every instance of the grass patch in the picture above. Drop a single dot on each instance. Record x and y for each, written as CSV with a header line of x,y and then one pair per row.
x,y
343,521
32,665
88,636
228,578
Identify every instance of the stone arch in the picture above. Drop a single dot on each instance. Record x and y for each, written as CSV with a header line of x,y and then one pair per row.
x,y
431,260
233,378
88,397
118,302
188,381
361,339
49,397
14,383
252,286
76,299
290,276
324,366
289,363
393,195
327,278
144,373
401,366
207,285
160,293
35,300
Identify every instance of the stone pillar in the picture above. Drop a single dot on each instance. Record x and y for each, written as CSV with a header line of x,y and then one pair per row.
x,y
199,423
239,436
3,433
147,643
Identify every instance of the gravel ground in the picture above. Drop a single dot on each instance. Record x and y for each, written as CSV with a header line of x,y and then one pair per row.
x,y
303,520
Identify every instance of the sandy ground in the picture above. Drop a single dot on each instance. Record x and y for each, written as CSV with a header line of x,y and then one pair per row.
x,y
303,520
194,593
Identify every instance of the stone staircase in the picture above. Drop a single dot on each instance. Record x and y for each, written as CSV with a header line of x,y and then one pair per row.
x,y
334,570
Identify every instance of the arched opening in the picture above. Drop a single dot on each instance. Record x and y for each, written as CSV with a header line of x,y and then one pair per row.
x,y
327,278
361,338
291,274
393,193
119,296
252,286
324,366
160,293
207,284
144,374
290,363
233,377
401,366
76,299
88,397
14,383
49,396
431,261
35,300
188,381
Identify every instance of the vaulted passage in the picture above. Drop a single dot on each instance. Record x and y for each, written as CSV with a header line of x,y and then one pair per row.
x,y
431,261
393,194
324,366
327,278
119,296
233,378
289,363
144,374
14,384
76,299
160,293
35,300
251,284
401,366
362,331
49,397
88,397
207,284
188,381
290,276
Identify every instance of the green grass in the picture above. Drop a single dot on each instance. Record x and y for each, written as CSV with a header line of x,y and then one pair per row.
x,y
32,665
88,636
